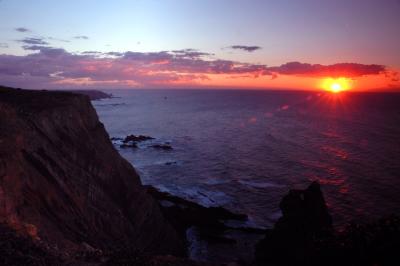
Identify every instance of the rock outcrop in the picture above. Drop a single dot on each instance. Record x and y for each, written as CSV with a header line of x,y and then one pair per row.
x,y
304,236
64,185
296,236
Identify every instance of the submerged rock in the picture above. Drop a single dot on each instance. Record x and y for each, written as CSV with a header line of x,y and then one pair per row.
x,y
166,147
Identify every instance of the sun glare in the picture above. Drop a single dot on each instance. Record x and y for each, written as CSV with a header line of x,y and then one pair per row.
x,y
336,85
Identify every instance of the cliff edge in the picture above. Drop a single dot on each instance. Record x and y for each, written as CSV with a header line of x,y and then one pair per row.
x,y
63,184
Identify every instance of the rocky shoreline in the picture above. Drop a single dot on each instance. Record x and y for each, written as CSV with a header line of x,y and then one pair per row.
x,y
68,198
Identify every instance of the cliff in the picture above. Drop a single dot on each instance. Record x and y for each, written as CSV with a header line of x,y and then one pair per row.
x,y
63,185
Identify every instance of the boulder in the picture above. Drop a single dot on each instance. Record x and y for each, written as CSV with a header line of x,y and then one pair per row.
x,y
138,138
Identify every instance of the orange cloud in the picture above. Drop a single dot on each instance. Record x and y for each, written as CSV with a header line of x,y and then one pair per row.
x,y
50,67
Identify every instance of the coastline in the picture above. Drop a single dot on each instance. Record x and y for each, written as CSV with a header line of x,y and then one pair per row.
x,y
40,135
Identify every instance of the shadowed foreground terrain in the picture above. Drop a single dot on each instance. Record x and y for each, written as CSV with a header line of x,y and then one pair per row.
x,y
64,185
68,198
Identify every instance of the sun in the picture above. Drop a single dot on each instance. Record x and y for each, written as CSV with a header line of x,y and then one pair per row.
x,y
336,85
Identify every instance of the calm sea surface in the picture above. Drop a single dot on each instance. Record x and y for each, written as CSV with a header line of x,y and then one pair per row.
x,y
245,149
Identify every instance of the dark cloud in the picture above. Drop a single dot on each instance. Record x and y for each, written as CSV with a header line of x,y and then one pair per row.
x,y
51,52
336,70
151,57
245,48
51,67
81,37
22,29
394,76
190,53
34,41
3,45
33,47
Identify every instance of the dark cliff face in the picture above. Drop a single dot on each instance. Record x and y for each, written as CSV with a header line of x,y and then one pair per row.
x,y
63,184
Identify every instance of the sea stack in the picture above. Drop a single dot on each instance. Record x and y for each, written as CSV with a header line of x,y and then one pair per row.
x,y
297,235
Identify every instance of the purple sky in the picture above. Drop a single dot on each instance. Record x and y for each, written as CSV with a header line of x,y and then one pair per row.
x,y
168,43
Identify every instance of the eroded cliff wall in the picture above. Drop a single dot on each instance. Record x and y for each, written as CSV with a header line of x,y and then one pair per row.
x,y
63,183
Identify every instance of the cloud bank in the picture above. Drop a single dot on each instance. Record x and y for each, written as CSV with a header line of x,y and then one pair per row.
x,y
49,67
33,41
349,70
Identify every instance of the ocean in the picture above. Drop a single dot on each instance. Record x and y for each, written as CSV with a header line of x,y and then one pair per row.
x,y
244,149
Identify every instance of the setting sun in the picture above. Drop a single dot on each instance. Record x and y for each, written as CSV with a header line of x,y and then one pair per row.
x,y
336,85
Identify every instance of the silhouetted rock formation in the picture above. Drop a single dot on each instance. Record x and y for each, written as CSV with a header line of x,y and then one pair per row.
x,y
305,219
63,184
210,236
183,214
304,236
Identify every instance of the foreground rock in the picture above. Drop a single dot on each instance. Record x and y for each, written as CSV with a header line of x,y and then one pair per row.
x,y
209,237
304,236
20,250
62,184
17,250
184,214
305,219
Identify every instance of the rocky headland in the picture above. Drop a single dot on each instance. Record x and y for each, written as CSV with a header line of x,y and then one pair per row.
x,y
93,95
63,185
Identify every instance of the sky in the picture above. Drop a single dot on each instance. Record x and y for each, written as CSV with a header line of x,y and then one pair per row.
x,y
47,44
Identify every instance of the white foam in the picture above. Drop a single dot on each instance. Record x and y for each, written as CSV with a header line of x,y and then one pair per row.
x,y
256,184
